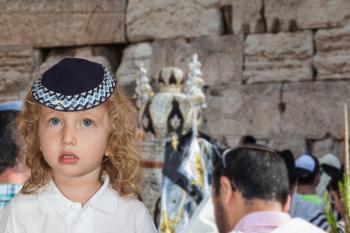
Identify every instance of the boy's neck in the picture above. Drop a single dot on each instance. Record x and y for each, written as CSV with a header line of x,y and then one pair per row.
x,y
79,189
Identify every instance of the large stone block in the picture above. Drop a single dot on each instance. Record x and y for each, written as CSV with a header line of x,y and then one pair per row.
x,y
16,66
332,60
237,110
278,57
133,57
339,149
167,19
314,109
176,53
322,147
54,6
221,57
290,15
61,23
296,145
244,16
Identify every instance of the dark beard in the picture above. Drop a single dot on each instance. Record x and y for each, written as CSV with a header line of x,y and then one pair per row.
x,y
220,217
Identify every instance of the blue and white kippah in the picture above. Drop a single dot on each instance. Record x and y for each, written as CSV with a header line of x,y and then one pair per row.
x,y
74,84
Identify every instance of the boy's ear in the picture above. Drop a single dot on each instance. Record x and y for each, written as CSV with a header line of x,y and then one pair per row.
x,y
226,191
108,151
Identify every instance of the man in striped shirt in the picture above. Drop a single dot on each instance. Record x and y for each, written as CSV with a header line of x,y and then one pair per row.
x,y
299,207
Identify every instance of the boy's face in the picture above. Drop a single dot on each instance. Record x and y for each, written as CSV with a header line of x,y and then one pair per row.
x,y
74,143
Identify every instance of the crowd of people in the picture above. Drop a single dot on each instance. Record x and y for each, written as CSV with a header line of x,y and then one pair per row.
x,y
76,168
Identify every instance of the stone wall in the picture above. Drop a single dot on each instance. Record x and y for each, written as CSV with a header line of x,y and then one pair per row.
x,y
275,69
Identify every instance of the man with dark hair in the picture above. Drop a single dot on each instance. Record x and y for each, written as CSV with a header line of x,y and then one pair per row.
x,y
247,139
288,158
12,173
251,193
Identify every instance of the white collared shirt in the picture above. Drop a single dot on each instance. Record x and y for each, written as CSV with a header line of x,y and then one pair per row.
x,y
49,211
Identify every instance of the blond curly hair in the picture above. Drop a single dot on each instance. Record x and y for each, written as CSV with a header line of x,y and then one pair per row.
x,y
122,165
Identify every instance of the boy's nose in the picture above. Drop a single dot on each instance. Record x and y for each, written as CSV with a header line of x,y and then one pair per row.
x,y
69,136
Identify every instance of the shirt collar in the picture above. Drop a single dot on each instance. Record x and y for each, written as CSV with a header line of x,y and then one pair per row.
x,y
105,199
264,220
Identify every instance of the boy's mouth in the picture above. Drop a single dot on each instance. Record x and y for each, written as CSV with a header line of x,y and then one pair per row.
x,y
68,158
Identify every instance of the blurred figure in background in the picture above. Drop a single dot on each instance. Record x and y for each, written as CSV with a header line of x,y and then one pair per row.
x,y
327,162
247,139
334,191
300,208
12,172
308,168
251,193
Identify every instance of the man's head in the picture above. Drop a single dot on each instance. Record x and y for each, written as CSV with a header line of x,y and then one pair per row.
x,y
247,139
308,168
288,158
248,178
8,147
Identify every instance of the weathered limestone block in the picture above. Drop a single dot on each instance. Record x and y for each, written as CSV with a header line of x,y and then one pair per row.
x,y
323,146
16,66
239,110
339,149
243,16
61,22
221,57
314,109
290,15
133,57
176,53
296,145
332,60
54,6
278,57
167,19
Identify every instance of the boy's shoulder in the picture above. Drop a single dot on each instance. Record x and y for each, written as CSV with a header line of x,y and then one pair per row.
x,y
20,205
24,201
21,198
130,206
127,202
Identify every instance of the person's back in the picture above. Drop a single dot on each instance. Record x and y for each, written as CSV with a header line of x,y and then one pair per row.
x,y
308,211
12,172
328,162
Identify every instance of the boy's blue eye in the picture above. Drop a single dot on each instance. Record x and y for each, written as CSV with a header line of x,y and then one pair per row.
x,y
55,121
87,123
